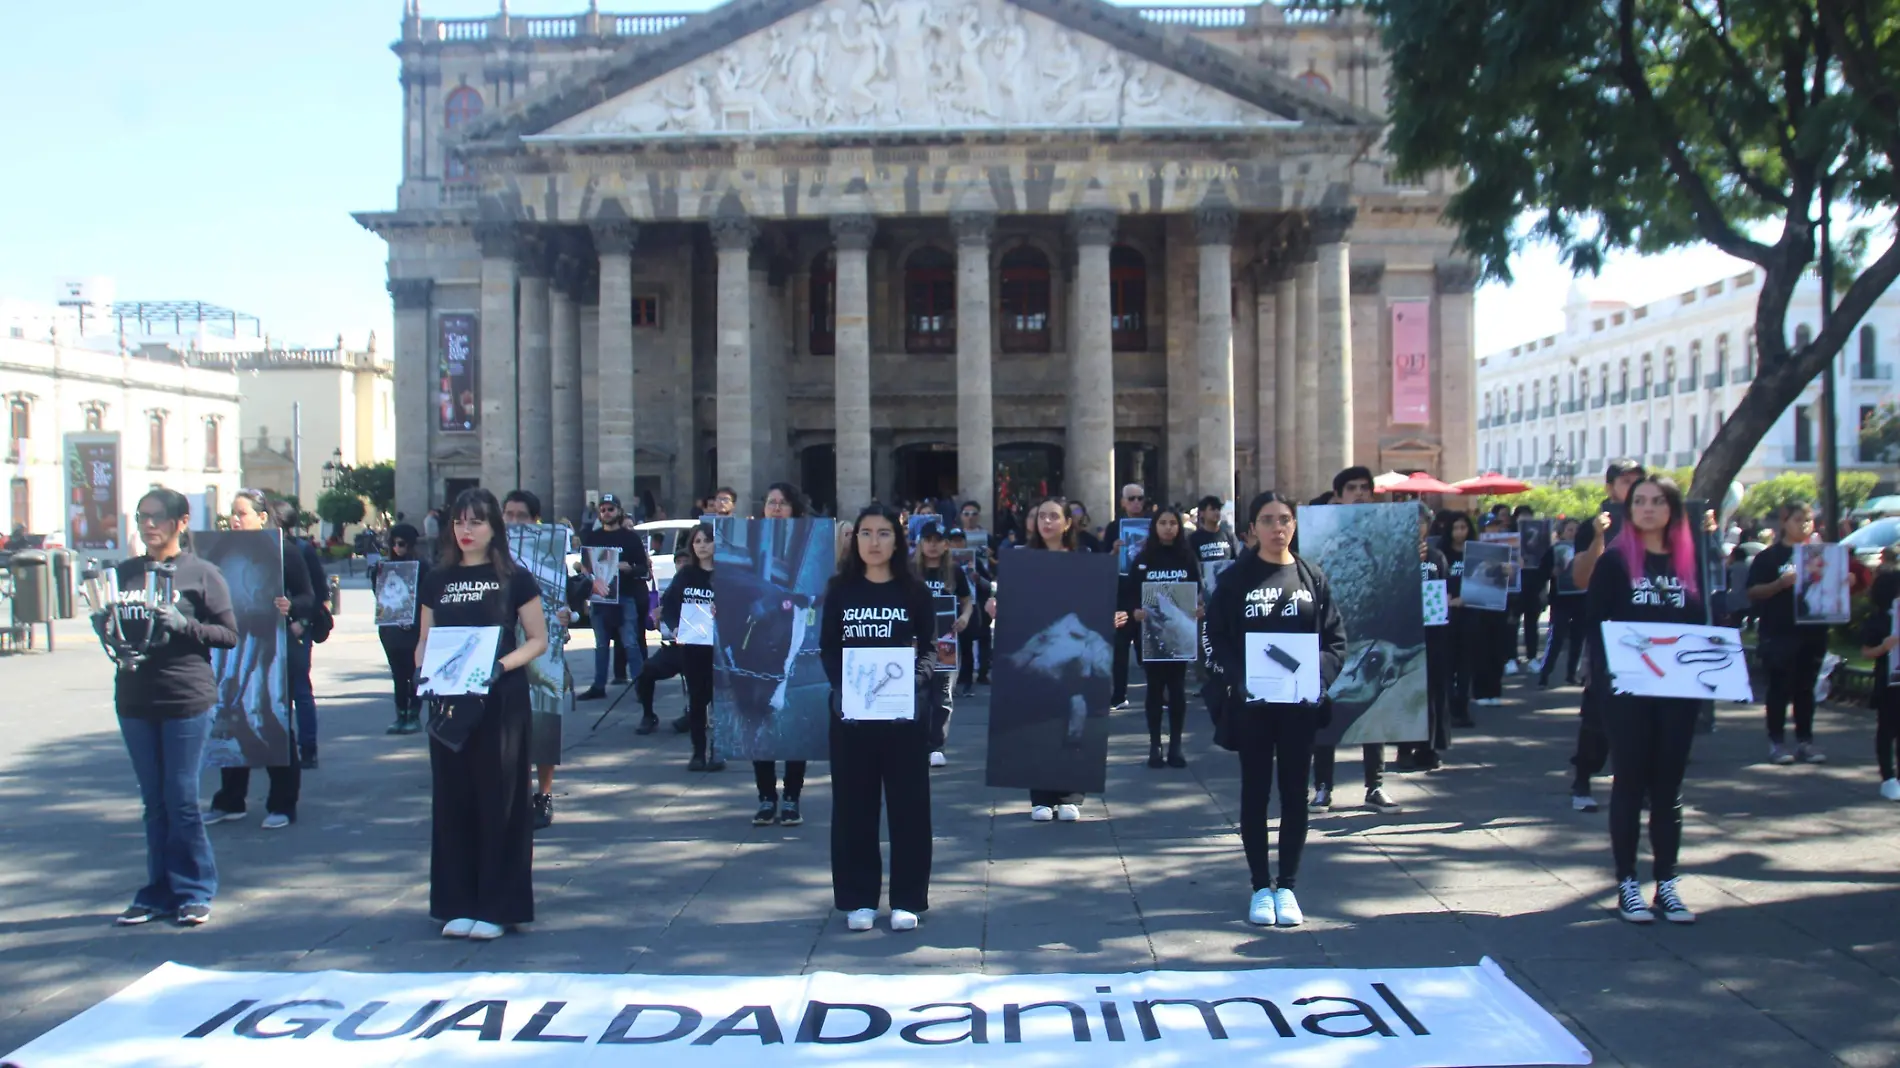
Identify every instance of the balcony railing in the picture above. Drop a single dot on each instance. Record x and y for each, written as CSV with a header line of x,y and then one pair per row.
x,y
1621,396
1550,411
1742,374
1639,393
1517,416
1598,401
1572,406
1686,385
1713,380
1658,461
1873,372
1663,387
549,27
1204,17
1685,458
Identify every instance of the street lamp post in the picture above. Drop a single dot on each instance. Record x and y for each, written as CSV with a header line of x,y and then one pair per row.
x,y
1560,468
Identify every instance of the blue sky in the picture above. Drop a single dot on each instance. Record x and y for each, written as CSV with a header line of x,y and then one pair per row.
x,y
213,150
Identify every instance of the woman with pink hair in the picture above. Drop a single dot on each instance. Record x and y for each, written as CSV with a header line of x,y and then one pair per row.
x,y
1647,576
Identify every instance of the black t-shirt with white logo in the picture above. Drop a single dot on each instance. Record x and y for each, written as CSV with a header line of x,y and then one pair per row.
x,y
861,614
478,597
1656,596
175,680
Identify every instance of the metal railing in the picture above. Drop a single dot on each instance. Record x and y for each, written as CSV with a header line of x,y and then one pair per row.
x,y
1713,379
1639,393
1550,410
1599,401
1663,387
1206,17
1685,458
1873,372
1621,396
1742,374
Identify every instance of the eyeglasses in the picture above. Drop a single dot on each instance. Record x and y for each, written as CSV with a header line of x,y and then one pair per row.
x,y
1274,521
153,518
1133,497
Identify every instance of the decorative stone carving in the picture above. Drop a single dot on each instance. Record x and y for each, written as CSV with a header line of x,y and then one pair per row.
x,y
973,228
733,233
615,236
1093,226
1214,224
1456,276
498,240
912,64
1367,277
410,294
1329,225
853,232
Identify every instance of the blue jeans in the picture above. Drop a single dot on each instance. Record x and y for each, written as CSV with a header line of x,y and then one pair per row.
x,y
302,697
166,757
628,621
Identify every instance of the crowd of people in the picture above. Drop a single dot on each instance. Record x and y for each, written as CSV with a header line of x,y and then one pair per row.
x,y
1635,560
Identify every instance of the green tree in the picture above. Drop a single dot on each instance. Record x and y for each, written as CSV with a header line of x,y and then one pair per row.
x,y
1647,125
1763,498
377,482
1881,436
340,506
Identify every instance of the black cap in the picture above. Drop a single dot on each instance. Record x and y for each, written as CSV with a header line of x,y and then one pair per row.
x,y
953,532
608,498
1619,467
930,530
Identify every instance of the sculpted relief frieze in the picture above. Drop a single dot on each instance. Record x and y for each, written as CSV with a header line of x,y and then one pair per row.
x,y
905,64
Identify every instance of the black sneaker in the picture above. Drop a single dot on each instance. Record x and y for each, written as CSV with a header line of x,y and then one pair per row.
x,y
683,725
1379,799
1175,757
648,724
698,763
138,914
1118,704
1322,799
1154,756
309,764
788,814
983,679
1629,903
401,726
620,680
714,764
766,815
543,811
592,693
1669,903
193,915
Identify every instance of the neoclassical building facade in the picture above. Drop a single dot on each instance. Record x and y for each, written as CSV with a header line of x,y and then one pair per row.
x,y
899,248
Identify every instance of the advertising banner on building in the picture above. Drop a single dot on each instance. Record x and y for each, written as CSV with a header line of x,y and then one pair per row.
x,y
1412,362
93,472
457,352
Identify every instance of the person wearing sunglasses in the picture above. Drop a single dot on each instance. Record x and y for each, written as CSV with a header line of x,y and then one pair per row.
x,y
625,620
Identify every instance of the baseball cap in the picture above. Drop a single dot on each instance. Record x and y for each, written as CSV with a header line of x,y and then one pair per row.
x,y
930,530
608,498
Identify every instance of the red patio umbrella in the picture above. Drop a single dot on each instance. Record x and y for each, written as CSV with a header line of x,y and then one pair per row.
x,y
1491,484
1419,482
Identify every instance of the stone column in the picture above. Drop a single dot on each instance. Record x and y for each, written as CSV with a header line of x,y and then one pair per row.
x,y
564,338
733,236
1266,382
496,368
587,309
1335,339
1306,346
613,242
976,420
1214,342
417,405
1455,363
1091,454
852,235
1286,384
536,377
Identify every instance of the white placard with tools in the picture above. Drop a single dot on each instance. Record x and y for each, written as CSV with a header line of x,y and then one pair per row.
x,y
878,683
1283,669
1682,660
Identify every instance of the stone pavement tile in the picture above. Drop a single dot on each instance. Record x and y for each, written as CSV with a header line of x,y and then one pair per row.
x,y
1398,945
775,947
1821,997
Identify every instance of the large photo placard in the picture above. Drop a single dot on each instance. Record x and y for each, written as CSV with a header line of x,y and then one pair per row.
x,y
92,493
771,700
541,550
1055,617
457,393
250,727
1369,554
1487,580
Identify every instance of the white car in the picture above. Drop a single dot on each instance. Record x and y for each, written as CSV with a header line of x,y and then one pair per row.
x,y
664,536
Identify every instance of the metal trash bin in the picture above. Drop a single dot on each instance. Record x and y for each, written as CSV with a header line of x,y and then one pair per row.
x,y
64,582
32,587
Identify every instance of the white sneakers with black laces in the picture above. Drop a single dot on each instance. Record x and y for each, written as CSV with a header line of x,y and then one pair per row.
x,y
1042,813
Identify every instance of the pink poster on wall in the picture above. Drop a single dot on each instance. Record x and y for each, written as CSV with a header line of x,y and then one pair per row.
x,y
1411,362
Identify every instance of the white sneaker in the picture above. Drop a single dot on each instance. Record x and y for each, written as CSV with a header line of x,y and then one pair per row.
x,y
1582,803
485,932
1510,667
1890,789
1288,907
276,821
457,928
937,759
903,920
1041,813
860,919
1260,911
1068,813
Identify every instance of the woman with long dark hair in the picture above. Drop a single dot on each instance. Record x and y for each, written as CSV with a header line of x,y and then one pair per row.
x,y
1432,567
783,500
1052,528
481,864
1791,653
692,585
878,635
297,602
399,641
163,702
933,566
1566,629
1165,557
1273,591
1463,644
1648,575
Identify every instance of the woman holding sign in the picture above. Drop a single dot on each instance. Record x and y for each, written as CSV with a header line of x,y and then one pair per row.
x,y
1648,575
949,589
687,611
399,639
1879,638
1170,639
876,643
1278,637
481,877
1791,654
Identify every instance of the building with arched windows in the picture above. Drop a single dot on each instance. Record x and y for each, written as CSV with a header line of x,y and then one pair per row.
x,y
898,248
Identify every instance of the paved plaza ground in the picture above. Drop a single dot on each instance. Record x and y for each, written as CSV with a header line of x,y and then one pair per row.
x,y
649,869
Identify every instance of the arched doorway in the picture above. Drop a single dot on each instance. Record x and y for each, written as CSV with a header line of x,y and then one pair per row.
x,y
927,469
818,476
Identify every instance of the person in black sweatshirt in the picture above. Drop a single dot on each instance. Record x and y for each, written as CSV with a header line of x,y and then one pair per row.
x,y
783,500
1432,567
625,620
1791,653
1566,628
164,707
399,642
1460,647
1166,557
665,663
297,601
1878,642
1272,591
1209,541
973,642
1647,575
941,577
877,643
692,585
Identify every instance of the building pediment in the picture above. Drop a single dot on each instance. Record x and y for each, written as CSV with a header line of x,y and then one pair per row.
x,y
761,68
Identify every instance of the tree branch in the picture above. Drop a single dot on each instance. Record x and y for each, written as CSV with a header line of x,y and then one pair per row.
x,y
1862,70
1750,177
1709,218
1743,74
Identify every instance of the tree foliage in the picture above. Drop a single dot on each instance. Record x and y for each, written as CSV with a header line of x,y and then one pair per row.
x,y
340,505
377,482
1763,498
1646,125
1880,436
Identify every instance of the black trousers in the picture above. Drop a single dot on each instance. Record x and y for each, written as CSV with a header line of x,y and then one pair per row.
x,y
481,864
665,663
1487,642
1126,638
286,784
1167,684
1460,636
973,653
696,663
942,703
1887,732
1650,739
1793,668
1531,607
1438,677
399,649
765,775
1274,738
1566,635
1372,755
1593,743
874,767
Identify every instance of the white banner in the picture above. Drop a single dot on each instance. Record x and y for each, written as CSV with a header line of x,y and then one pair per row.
x,y
1381,1018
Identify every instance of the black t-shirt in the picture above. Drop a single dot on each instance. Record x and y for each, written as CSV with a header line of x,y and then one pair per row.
x,y
1211,545
1587,530
476,597
633,552
861,614
958,587
1655,597
175,681
1158,566
1776,614
691,584
1454,572
1256,597
1875,629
